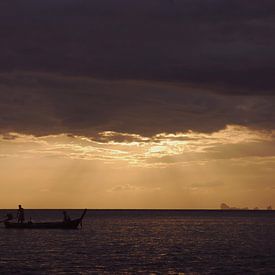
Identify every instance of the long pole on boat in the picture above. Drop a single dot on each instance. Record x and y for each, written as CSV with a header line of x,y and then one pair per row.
x,y
82,216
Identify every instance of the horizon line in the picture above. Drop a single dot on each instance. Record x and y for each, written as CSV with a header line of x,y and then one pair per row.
x,y
145,209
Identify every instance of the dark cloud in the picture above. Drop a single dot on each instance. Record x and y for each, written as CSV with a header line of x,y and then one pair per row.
x,y
217,55
46,104
226,45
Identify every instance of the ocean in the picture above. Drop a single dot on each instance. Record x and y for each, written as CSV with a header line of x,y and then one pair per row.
x,y
143,242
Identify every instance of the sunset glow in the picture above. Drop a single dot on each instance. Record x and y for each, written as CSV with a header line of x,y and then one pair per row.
x,y
180,170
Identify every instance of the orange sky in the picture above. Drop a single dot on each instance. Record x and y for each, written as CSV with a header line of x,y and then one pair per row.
x,y
119,170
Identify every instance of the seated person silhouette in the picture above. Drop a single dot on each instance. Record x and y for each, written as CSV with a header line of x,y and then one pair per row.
x,y
66,217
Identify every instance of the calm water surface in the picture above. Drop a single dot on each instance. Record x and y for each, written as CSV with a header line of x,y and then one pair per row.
x,y
156,242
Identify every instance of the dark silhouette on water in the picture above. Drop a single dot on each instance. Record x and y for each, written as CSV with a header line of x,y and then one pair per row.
x,y
20,214
66,217
69,224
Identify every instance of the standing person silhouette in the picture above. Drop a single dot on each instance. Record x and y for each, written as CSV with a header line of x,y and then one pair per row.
x,y
20,214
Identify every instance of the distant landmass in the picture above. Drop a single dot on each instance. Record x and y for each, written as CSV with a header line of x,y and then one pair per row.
x,y
225,206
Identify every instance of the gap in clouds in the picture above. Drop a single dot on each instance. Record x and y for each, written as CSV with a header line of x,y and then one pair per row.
x,y
168,170
231,143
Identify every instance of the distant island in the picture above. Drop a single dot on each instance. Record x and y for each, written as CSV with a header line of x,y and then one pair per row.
x,y
225,206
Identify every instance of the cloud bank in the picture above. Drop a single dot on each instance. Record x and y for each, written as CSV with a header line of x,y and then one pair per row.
x,y
46,104
225,45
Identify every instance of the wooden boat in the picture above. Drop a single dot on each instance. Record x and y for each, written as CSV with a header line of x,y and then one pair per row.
x,y
73,224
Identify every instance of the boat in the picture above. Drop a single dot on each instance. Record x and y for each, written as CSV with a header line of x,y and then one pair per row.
x,y
72,224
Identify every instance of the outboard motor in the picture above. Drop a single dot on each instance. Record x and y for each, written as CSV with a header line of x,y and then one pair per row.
x,y
9,216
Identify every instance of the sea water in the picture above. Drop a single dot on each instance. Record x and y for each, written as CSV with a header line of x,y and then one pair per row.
x,y
145,242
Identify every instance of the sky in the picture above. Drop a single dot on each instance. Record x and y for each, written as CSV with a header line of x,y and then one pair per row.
x,y
166,104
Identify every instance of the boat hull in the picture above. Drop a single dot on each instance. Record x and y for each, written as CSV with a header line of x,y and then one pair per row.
x,y
44,225
73,224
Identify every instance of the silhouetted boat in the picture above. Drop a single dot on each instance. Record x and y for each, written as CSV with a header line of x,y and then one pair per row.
x,y
73,224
